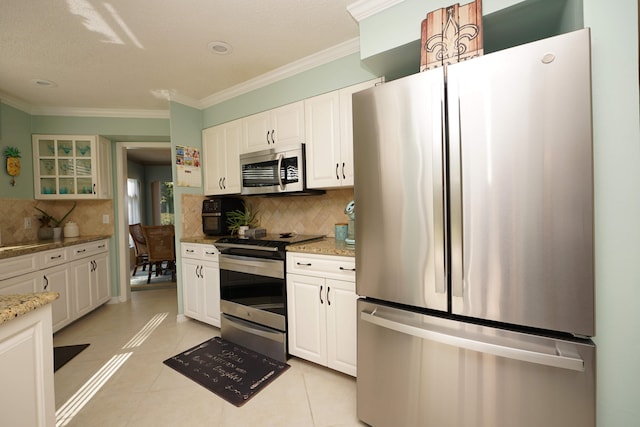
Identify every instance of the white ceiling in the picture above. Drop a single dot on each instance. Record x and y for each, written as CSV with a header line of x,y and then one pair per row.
x,y
134,54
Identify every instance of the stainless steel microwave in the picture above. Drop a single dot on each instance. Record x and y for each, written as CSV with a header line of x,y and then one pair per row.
x,y
273,171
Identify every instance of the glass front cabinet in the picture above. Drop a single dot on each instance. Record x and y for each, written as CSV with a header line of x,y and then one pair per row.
x,y
72,167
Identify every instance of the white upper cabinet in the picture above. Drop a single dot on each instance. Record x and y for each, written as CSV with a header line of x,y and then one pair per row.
x,y
329,137
279,127
221,158
72,167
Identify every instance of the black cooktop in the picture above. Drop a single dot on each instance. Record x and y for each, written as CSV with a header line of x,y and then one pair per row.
x,y
275,240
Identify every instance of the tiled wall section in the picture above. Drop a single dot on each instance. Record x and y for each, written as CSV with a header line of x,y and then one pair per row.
x,y
88,215
302,214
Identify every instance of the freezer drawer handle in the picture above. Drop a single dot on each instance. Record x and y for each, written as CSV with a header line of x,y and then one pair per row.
x,y
574,364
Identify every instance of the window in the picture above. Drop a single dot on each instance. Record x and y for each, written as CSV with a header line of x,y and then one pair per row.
x,y
133,203
133,193
166,203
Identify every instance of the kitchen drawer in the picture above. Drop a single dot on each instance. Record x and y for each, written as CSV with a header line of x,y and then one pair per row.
x,y
15,266
89,249
53,257
328,266
199,251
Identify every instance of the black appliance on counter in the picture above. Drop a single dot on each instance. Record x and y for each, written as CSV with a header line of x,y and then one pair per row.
x,y
253,297
214,214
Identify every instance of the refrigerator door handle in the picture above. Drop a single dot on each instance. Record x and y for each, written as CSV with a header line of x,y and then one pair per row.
x,y
556,361
455,164
438,195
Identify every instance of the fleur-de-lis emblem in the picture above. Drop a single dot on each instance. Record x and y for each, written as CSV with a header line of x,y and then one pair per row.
x,y
451,42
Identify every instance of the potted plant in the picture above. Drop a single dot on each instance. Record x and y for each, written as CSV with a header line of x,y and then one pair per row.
x,y
241,220
12,154
50,226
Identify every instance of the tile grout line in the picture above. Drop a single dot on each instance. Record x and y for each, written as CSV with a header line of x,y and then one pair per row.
x,y
76,402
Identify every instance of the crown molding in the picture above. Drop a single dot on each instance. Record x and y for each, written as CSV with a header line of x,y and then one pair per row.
x,y
100,112
15,103
363,9
320,58
81,112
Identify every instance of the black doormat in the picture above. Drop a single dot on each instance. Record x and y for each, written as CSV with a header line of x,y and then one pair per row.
x,y
232,372
63,354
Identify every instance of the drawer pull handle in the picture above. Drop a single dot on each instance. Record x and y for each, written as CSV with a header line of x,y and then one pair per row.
x,y
321,302
55,257
328,300
308,264
190,251
347,269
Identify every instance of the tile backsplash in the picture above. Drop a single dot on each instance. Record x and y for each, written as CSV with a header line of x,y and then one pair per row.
x,y
88,215
302,214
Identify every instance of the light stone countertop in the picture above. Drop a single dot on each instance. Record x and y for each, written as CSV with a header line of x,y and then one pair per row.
x,y
12,306
31,247
326,246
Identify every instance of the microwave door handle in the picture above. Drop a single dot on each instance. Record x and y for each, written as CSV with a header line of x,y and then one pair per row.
x,y
280,183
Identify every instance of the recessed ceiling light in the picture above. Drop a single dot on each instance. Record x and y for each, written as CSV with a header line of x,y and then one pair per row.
x,y
220,48
44,83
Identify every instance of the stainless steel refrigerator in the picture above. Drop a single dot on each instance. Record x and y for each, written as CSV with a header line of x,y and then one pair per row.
x,y
474,242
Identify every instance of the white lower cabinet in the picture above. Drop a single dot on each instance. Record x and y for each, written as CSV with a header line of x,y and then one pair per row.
x,y
23,284
57,279
201,282
26,368
321,310
79,273
90,280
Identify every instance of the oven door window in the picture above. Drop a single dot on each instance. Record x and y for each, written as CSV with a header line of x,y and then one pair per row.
x,y
259,292
265,174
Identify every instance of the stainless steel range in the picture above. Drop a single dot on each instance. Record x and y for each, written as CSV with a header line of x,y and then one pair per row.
x,y
253,298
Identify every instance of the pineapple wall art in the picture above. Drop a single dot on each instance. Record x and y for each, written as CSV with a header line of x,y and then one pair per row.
x,y
12,156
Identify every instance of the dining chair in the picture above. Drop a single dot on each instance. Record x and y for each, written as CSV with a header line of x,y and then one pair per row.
x,y
140,244
161,248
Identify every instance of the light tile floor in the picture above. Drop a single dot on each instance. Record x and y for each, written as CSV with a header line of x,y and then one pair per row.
x,y
145,392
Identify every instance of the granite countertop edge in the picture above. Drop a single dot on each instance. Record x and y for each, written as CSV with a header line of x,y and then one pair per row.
x,y
324,246
13,306
34,246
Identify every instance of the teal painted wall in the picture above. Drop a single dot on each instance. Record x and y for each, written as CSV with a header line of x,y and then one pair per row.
x,y
616,129
186,130
15,131
151,174
337,74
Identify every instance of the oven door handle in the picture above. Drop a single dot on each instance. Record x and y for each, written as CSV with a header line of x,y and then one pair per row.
x,y
250,265
243,246
254,329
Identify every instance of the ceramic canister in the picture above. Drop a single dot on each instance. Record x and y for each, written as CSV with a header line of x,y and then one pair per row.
x,y
71,229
